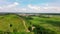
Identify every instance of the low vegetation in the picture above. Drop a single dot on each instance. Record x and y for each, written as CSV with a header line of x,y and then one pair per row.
x,y
18,24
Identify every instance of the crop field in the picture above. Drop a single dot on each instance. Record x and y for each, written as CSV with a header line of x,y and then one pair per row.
x,y
32,24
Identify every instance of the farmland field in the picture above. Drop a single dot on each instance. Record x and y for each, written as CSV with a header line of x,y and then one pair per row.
x,y
18,24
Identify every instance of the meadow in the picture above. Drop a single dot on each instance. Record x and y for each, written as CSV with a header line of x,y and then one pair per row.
x,y
18,24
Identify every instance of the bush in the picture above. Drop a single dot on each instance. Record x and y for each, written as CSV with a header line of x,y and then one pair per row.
x,y
41,30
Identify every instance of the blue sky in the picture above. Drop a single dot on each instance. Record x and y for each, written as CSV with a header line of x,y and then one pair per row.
x,y
35,6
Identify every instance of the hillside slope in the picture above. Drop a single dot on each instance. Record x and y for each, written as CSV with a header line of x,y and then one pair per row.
x,y
11,22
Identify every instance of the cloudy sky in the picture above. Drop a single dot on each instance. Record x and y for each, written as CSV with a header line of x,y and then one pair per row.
x,y
30,6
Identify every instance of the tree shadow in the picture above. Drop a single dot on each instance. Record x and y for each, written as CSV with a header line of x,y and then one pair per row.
x,y
53,22
41,30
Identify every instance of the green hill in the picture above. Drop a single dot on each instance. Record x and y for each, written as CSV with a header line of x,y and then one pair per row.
x,y
19,24
12,23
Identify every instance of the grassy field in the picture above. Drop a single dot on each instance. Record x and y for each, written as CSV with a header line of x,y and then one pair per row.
x,y
17,24
45,25
11,23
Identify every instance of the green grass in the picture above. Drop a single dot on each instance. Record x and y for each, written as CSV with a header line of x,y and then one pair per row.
x,y
14,23
15,20
52,23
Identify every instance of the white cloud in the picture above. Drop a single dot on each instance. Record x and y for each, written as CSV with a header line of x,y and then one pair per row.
x,y
10,5
0,7
30,8
44,9
13,5
24,9
16,3
9,8
33,7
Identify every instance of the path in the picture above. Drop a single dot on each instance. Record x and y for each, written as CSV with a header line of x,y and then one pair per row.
x,y
25,25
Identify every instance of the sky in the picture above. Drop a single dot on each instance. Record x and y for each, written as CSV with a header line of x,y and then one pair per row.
x,y
30,6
